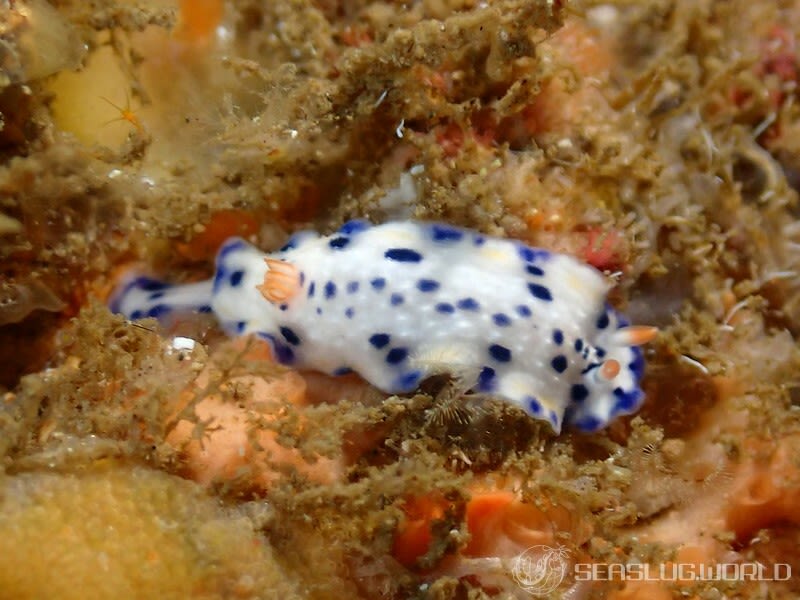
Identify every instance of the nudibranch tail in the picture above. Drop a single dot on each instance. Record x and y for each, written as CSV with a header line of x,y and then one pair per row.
x,y
281,281
141,297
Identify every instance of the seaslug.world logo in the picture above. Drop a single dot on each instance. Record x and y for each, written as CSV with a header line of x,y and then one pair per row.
x,y
541,569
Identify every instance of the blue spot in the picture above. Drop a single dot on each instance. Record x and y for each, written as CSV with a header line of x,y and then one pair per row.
x,y
296,239
467,304
626,401
290,336
283,353
156,295
534,270
602,321
501,320
486,380
529,254
219,275
330,290
407,381
445,307
240,326
302,278
378,283
578,392
283,306
338,243
637,364
204,309
427,285
396,355
158,310
500,353
523,311
443,233
591,368
578,345
379,340
540,292
352,287
137,314
230,246
311,288
600,352
558,336
342,371
236,278
354,226
396,299
349,312
479,240
319,310
588,423
403,255
532,405
559,363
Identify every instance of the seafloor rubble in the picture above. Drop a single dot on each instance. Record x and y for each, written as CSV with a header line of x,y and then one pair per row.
x,y
656,140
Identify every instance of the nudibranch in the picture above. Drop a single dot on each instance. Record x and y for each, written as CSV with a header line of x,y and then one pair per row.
x,y
402,301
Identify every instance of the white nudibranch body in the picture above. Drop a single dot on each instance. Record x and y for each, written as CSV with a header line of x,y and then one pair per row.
x,y
399,302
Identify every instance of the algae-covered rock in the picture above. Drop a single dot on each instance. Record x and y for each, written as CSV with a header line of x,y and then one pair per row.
x,y
116,531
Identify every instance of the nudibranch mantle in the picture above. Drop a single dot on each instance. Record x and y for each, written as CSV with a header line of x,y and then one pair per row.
x,y
402,301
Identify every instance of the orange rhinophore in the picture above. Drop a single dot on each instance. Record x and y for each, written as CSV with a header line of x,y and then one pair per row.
x,y
281,282
635,335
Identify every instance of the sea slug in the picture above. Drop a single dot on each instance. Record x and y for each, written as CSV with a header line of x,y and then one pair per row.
x,y
399,302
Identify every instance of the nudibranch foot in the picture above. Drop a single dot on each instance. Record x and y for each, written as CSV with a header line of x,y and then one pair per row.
x,y
139,297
